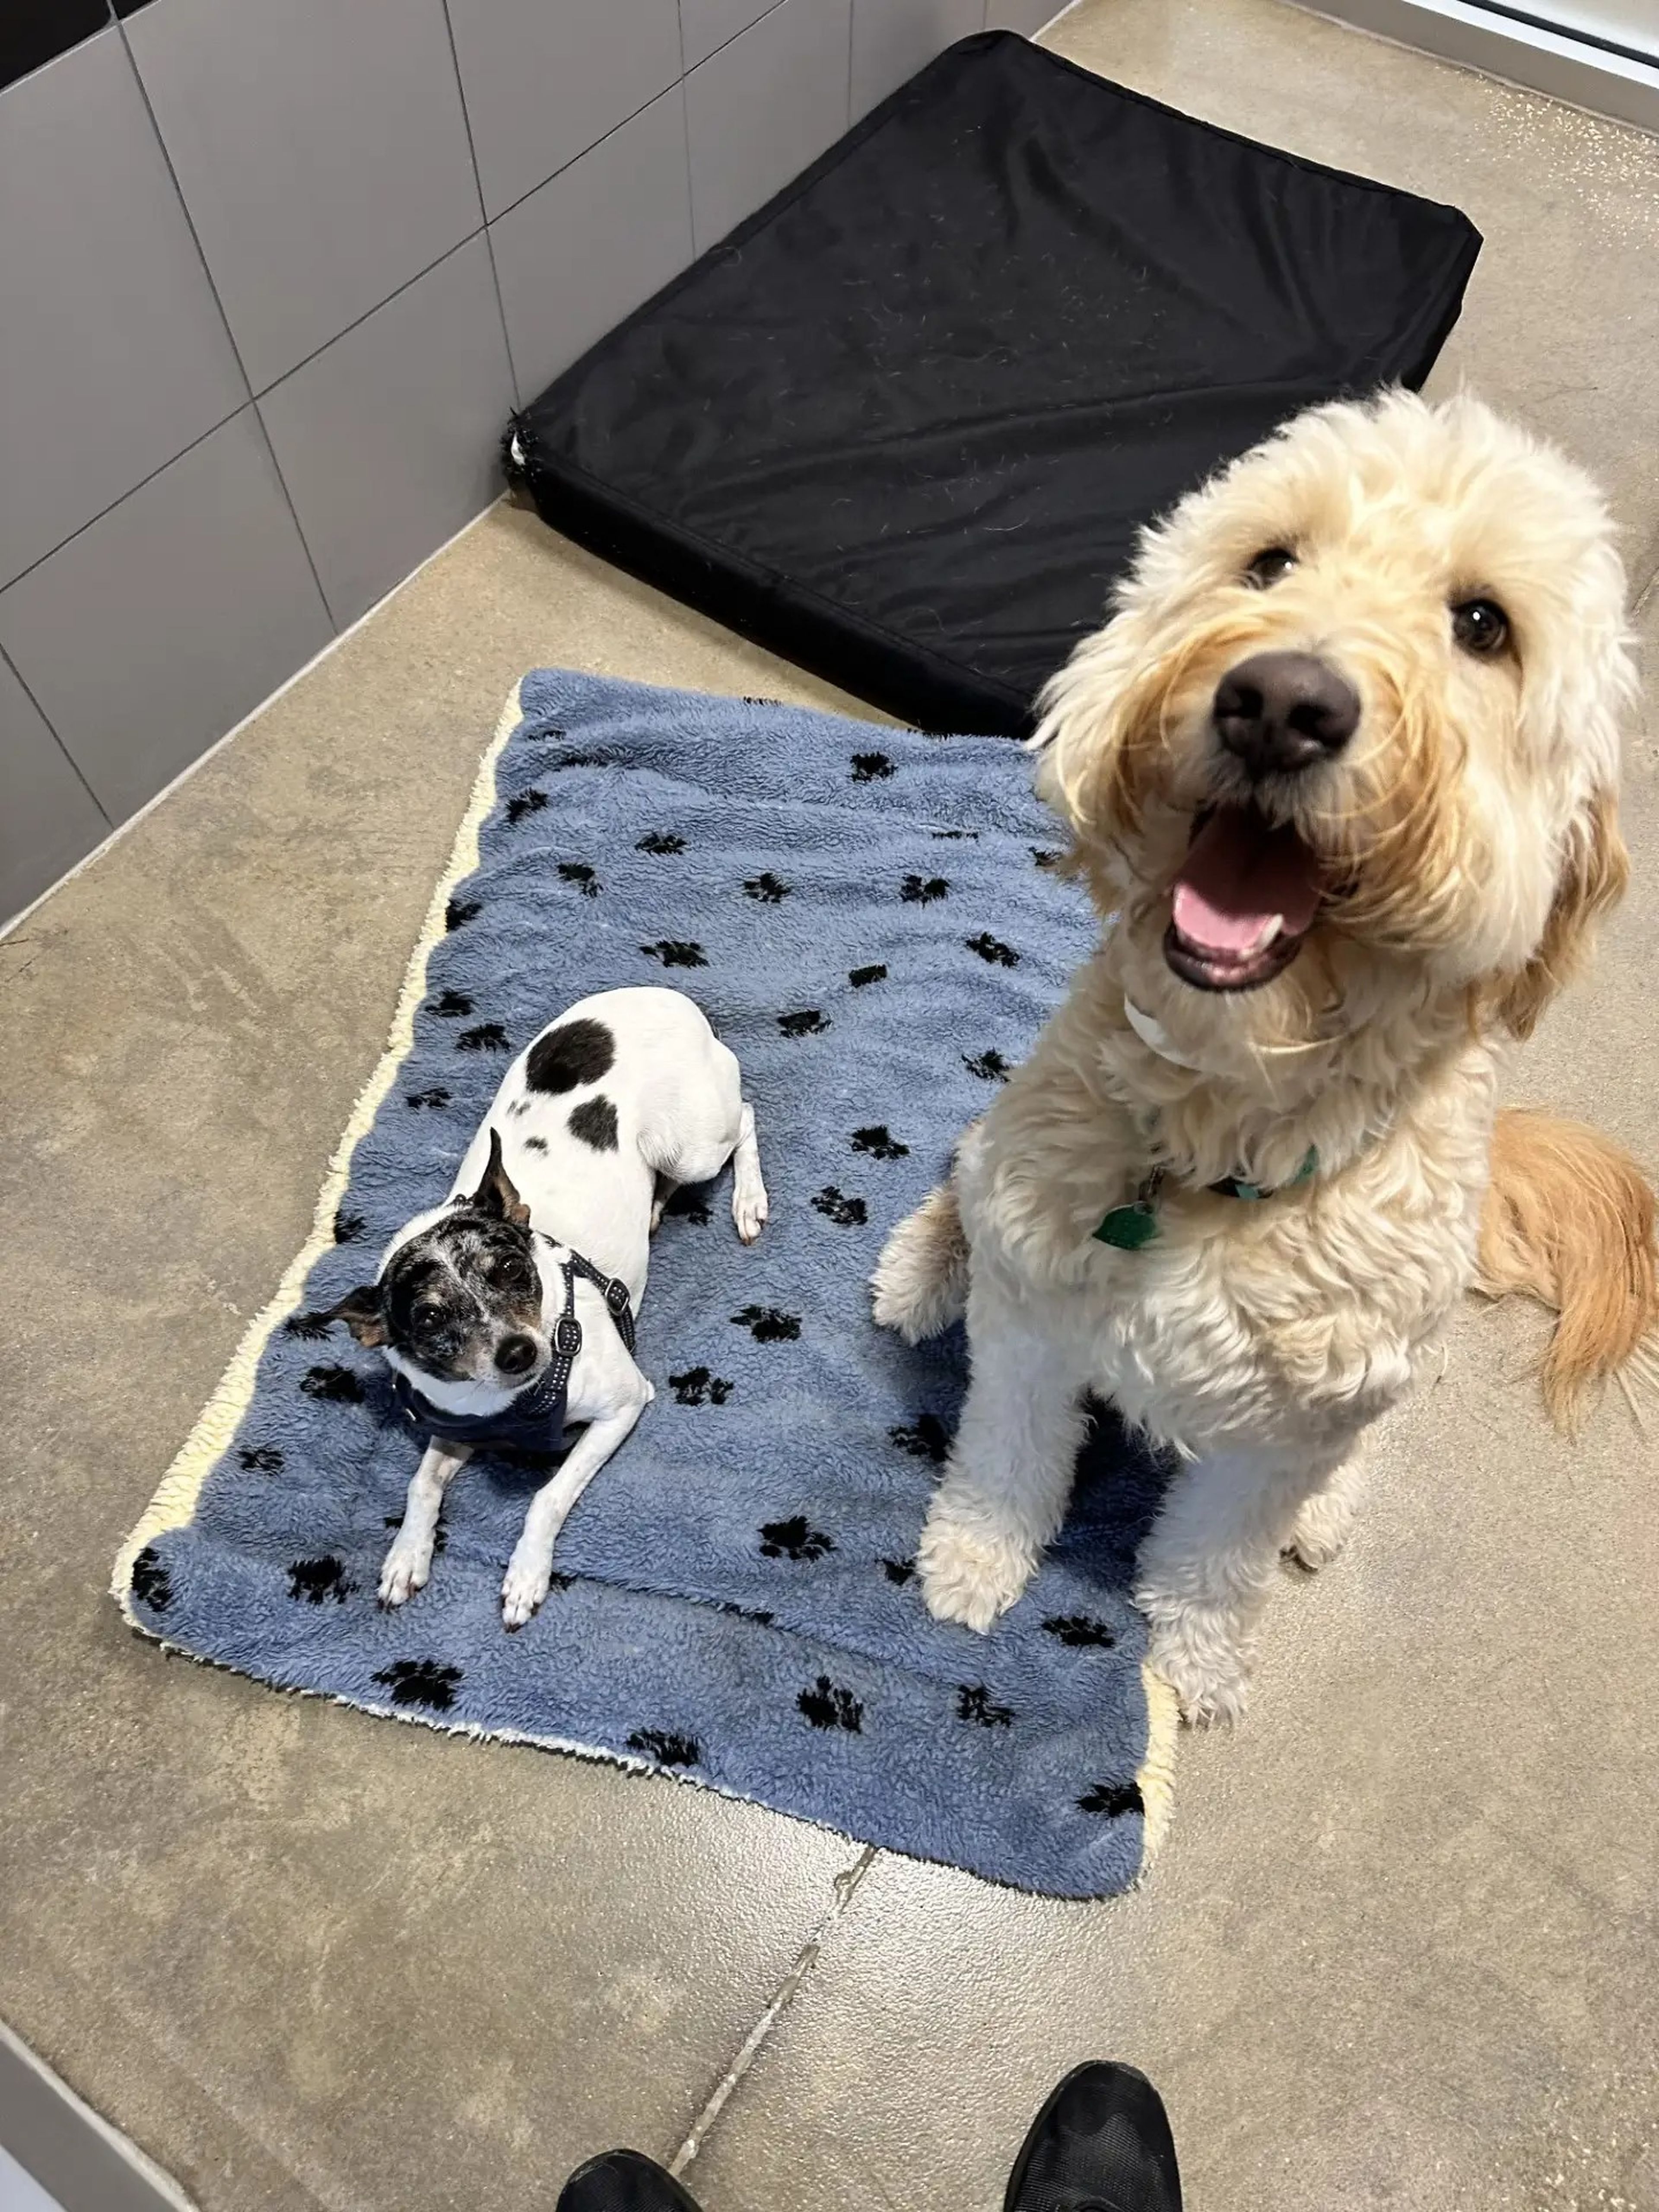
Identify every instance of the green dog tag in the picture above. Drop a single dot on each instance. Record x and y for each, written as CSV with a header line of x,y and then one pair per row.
x,y
1128,1227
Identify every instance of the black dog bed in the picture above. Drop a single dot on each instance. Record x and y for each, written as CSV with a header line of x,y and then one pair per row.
x,y
902,425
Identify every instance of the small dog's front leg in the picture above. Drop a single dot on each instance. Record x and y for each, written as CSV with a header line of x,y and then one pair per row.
x,y
749,1204
530,1570
1004,1491
409,1562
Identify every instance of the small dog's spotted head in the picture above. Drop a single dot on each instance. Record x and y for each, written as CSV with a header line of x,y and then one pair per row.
x,y
459,1297
1352,731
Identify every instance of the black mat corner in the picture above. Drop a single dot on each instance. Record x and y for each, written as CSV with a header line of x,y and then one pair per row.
x,y
902,425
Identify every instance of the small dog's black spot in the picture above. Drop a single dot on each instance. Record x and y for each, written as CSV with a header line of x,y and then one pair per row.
x,y
687,1203
926,1438
794,1538
261,1459
309,1326
485,1037
314,1580
452,1005
993,950
761,1619
835,1206
460,912
1044,857
697,1387
427,1101
332,1386
677,952
828,1707
990,1066
1080,1630
439,1532
768,1325
955,833
809,1022
594,1122
579,872
152,1585
535,1144
766,889
667,1750
576,1052
899,1571
1114,1798
975,1703
661,842
421,1682
879,1141
347,1228
870,768
858,977
916,892
525,802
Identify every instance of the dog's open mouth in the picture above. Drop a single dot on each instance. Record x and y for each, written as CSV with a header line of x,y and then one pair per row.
x,y
1245,898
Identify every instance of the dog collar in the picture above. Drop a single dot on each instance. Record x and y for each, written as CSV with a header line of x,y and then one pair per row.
x,y
534,1420
1129,1228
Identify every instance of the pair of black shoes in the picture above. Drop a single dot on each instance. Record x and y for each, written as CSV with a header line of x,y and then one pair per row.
x,y
1101,2143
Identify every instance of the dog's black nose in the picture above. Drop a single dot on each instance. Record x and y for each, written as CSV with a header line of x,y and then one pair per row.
x,y
1277,712
515,1355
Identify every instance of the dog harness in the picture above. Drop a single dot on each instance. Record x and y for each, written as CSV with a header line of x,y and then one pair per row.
x,y
534,1420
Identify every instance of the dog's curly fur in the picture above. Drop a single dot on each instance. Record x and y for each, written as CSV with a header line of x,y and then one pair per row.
x,y
1467,841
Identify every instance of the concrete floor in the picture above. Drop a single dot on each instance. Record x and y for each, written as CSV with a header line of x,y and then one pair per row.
x,y
1401,1948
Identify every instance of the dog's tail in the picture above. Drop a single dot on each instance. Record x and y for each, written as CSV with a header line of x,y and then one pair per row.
x,y
1569,1220
920,1282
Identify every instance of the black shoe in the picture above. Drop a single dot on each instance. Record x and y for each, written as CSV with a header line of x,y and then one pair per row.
x,y
623,2181
1101,2143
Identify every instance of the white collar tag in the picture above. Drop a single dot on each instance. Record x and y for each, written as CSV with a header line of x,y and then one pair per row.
x,y
1155,1038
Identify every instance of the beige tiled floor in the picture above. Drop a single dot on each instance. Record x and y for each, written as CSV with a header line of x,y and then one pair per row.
x,y
1401,1950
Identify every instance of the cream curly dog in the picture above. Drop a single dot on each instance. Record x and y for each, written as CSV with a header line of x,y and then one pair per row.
x,y
1342,774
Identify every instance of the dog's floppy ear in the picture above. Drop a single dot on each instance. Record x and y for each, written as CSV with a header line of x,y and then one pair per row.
x,y
496,1195
360,1310
1593,872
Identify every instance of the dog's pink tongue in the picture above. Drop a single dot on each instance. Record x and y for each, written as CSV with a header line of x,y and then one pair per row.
x,y
1239,877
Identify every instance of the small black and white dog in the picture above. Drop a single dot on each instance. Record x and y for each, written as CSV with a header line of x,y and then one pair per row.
x,y
510,1308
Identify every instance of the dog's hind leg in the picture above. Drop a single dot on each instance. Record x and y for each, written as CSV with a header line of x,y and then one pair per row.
x,y
409,1562
1324,1522
920,1282
749,1204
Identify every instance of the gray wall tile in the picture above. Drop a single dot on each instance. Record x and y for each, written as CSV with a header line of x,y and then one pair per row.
x,y
1027,15
893,39
595,242
112,355
146,637
321,148
49,820
543,83
707,24
762,108
387,440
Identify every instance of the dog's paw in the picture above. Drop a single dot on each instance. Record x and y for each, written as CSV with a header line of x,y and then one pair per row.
x,y
750,1210
529,1578
1209,1675
969,1575
1321,1528
403,1571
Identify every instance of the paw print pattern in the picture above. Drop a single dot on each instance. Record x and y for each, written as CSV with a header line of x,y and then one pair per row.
x,y
871,768
861,978
697,1387
421,1682
915,891
332,1386
427,1101
827,1706
314,1581
926,1438
835,1205
990,1066
525,802
152,1585
1113,1799
1080,1631
261,1459
955,834
667,1750
578,872
975,1703
809,1022
661,843
483,1036
879,1142
347,1228
453,1005
677,952
460,912
899,1571
767,889
794,1538
1045,858
768,1325
993,950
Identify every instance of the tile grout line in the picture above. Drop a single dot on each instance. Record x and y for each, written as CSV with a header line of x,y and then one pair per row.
x,y
806,1959
23,685
483,212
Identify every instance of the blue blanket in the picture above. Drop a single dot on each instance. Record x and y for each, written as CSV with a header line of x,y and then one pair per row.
x,y
870,920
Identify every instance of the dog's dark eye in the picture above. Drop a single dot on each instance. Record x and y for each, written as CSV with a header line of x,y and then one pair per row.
x,y
1270,566
1481,625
